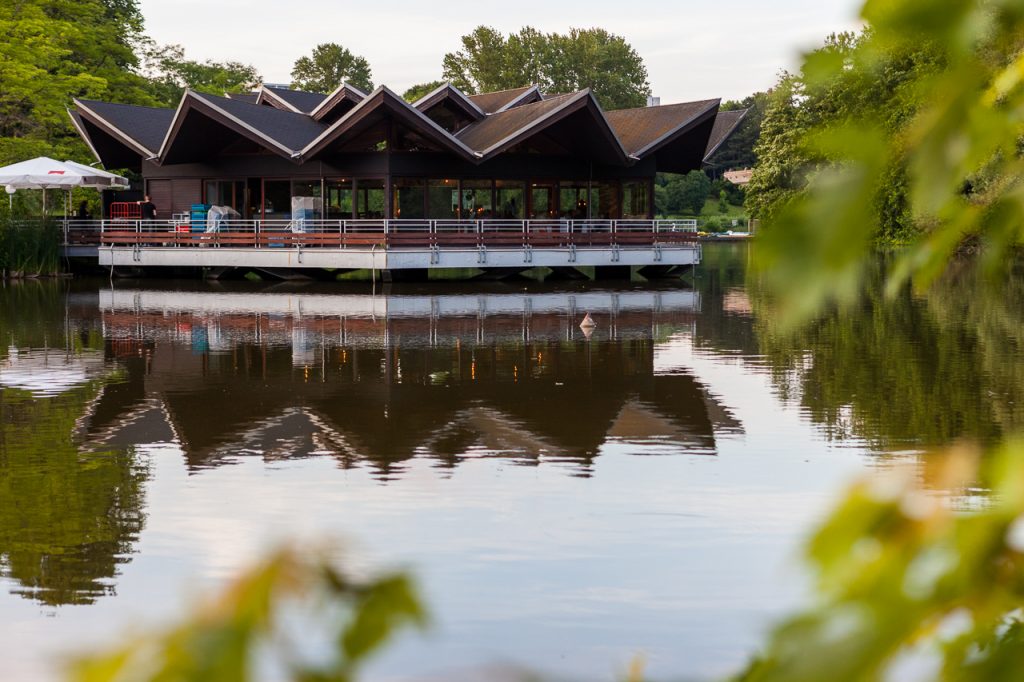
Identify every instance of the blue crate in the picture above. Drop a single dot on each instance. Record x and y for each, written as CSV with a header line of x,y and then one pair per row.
x,y
198,217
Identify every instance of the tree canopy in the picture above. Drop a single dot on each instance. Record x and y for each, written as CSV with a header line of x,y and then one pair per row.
x,y
676,194
420,89
885,87
53,51
583,58
329,66
169,73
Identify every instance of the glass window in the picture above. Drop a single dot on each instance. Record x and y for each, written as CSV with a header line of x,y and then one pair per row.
x,y
477,199
604,200
408,197
572,199
277,199
369,199
339,199
542,200
636,202
443,198
225,193
307,199
510,196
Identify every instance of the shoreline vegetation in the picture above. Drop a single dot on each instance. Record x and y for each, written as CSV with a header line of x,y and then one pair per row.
x,y
30,250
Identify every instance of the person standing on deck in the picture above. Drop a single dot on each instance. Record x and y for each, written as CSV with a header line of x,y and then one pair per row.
x,y
148,209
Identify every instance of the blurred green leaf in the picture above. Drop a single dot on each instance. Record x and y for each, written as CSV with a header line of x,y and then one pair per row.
x,y
224,636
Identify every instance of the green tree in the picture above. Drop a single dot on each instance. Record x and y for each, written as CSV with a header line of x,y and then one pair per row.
x,y
417,91
583,58
838,83
329,66
53,51
169,73
682,194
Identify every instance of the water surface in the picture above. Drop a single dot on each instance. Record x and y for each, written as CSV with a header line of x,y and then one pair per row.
x,y
567,501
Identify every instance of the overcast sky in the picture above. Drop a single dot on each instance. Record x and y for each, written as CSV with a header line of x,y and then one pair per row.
x,y
693,50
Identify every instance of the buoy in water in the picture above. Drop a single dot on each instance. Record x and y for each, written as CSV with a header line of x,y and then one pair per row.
x,y
588,322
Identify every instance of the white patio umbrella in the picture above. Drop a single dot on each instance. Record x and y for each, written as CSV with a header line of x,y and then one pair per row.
x,y
46,173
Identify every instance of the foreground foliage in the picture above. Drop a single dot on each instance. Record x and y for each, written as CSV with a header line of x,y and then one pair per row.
x,y
910,582
954,163
292,591
902,571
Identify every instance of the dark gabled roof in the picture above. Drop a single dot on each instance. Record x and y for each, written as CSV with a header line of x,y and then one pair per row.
x,y
296,100
491,131
448,93
343,94
290,129
725,123
384,99
491,102
146,126
677,136
645,129
250,97
500,131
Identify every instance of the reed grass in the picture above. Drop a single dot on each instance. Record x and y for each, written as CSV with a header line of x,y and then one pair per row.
x,y
29,248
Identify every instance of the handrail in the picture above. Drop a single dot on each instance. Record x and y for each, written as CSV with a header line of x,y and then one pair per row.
x,y
382,233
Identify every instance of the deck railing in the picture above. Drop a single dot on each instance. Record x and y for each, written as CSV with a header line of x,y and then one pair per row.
x,y
386,234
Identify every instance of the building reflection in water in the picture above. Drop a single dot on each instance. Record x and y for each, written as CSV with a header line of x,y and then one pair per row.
x,y
382,379
366,380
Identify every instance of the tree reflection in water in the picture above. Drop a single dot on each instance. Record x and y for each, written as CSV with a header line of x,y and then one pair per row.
x,y
914,371
68,515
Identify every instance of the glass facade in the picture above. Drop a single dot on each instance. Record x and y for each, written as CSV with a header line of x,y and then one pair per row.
x,y
510,198
370,202
443,199
636,199
604,200
409,198
417,198
277,199
573,199
339,198
307,198
477,199
542,201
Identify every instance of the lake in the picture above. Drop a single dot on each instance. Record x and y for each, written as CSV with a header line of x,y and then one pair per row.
x,y
566,501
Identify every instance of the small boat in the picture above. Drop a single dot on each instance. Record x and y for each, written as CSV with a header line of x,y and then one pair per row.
x,y
588,322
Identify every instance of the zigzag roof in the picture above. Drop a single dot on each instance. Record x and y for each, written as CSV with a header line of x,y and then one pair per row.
x,y
312,124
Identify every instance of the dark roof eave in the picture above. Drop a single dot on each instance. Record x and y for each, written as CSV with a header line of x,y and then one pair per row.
x,y
449,91
341,93
379,98
581,100
710,151
194,101
76,121
684,127
88,114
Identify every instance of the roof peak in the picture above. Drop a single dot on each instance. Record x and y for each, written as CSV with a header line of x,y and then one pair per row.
x,y
498,92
